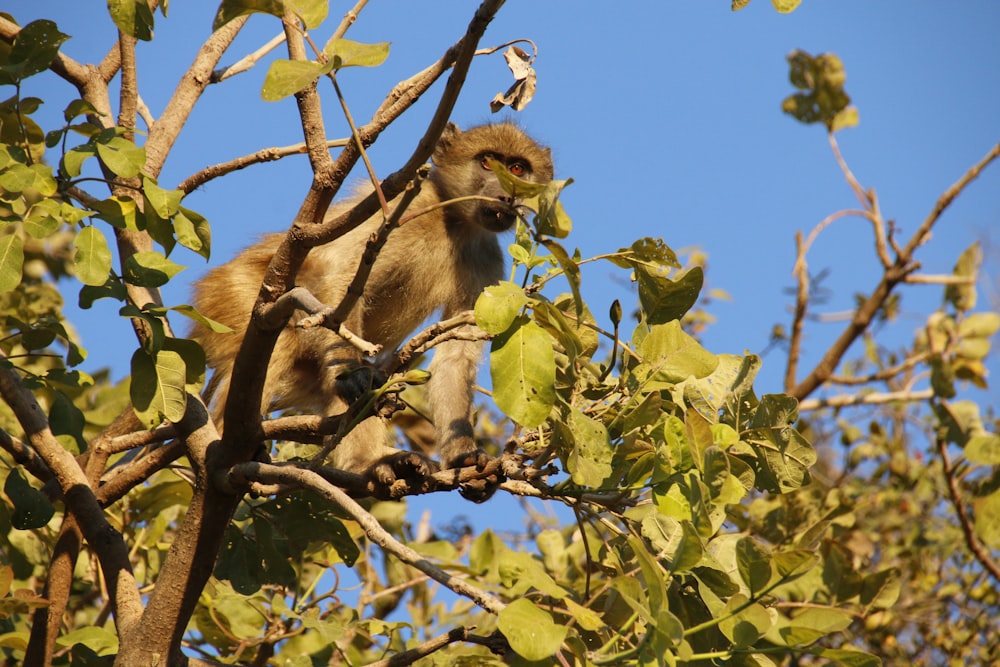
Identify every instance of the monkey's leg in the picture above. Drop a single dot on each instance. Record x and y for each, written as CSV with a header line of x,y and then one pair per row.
x,y
453,374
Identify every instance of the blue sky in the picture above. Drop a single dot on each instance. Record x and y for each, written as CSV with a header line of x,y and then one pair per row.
x,y
667,116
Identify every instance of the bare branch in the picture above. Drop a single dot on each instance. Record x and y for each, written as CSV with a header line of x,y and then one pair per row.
x,y
927,279
979,552
898,272
945,200
192,84
874,398
459,326
247,61
883,375
195,181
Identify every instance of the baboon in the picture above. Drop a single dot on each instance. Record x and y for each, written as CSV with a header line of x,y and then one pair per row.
x,y
438,262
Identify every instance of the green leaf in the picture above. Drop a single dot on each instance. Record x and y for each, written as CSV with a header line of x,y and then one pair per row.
x,y
849,657
663,299
92,261
570,269
963,295
312,12
984,449
746,626
988,519
99,640
111,289
880,590
814,623
189,311
821,78
498,306
32,509
676,542
67,419
72,160
523,368
43,218
287,77
17,178
531,632
149,269
193,231
133,17
11,261
121,156
646,250
671,355
552,219
157,387
514,186
165,202
35,47
754,564
347,53
194,362
589,460
120,212
232,9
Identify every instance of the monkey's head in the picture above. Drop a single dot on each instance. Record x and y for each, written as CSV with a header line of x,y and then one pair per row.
x,y
461,169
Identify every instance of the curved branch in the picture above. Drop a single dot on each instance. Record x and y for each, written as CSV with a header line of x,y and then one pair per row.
x,y
271,474
979,552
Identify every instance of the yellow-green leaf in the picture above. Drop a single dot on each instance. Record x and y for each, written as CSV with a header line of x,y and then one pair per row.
x,y
523,368
11,261
348,53
531,632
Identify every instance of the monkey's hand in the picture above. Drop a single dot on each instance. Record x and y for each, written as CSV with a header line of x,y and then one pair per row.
x,y
482,488
354,382
411,467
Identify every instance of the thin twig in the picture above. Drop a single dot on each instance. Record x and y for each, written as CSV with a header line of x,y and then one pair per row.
x,y
975,546
198,179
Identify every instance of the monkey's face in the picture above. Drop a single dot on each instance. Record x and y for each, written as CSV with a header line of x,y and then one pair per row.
x,y
462,169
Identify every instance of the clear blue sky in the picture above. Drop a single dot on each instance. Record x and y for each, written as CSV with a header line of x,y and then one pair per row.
x,y
666,114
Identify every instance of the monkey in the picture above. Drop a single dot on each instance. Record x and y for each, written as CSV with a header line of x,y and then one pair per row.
x,y
440,261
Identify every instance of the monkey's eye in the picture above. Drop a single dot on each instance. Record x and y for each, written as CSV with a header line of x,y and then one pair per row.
x,y
517,168
484,161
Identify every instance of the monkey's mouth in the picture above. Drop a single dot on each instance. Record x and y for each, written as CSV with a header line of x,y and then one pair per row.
x,y
497,216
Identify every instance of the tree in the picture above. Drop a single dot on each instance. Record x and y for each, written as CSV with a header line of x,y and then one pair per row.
x,y
697,533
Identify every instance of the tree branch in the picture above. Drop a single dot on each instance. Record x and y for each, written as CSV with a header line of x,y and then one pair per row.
x,y
80,500
897,272
979,552
307,479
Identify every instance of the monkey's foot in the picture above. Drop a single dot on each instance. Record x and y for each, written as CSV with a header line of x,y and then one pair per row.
x,y
480,489
410,467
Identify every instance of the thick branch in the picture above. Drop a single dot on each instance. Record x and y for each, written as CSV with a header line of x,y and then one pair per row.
x,y
80,500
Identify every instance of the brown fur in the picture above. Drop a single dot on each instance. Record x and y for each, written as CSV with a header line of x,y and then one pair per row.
x,y
436,262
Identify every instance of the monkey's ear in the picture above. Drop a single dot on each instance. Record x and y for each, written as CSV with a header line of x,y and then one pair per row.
x,y
448,135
